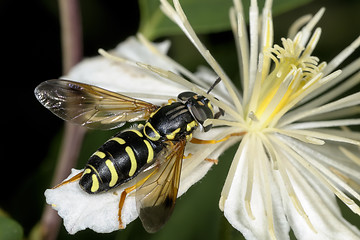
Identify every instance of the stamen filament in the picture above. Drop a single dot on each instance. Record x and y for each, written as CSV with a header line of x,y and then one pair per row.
x,y
240,34
254,42
283,167
324,124
312,43
335,92
342,56
253,104
319,176
317,82
234,166
169,75
315,135
306,30
350,155
267,39
301,137
180,19
267,188
348,181
275,100
348,101
171,61
341,182
250,179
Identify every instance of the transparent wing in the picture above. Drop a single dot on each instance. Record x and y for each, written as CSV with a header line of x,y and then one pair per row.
x,y
157,196
91,106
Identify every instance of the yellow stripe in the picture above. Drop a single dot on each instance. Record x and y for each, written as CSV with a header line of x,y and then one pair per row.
x,y
189,137
114,175
153,113
87,170
157,135
190,126
137,132
99,154
150,151
131,154
93,168
95,183
119,140
200,103
210,106
172,135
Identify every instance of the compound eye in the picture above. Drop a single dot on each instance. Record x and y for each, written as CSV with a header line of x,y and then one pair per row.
x,y
201,113
184,96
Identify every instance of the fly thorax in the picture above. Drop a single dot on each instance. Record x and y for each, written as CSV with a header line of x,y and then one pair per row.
x,y
170,122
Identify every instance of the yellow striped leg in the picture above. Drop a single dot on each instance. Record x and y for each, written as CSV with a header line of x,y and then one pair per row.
x,y
126,192
73,179
201,141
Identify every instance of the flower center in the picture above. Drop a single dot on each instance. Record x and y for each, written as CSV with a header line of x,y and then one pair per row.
x,y
294,72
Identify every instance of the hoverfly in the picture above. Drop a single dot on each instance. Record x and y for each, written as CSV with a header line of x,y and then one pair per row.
x,y
155,149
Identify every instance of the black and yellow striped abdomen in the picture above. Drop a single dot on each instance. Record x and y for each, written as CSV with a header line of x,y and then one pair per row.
x,y
117,161
122,157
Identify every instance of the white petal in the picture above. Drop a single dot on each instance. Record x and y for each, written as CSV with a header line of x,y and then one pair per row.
x,y
319,204
81,210
133,49
123,78
252,222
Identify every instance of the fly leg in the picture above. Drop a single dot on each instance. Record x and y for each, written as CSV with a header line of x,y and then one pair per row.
x,y
125,192
73,179
215,161
201,141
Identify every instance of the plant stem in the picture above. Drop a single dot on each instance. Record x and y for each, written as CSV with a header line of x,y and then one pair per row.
x,y
71,33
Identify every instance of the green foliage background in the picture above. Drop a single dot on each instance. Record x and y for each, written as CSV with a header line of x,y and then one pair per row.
x,y
32,148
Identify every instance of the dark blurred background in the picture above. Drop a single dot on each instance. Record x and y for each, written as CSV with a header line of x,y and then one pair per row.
x,y
31,53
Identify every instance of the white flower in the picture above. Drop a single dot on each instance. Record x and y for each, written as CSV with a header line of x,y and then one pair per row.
x,y
298,153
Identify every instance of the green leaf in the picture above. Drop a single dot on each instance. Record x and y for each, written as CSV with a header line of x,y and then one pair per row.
x,y
205,16
36,232
10,229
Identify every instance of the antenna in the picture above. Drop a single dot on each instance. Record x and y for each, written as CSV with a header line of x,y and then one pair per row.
x,y
221,111
214,84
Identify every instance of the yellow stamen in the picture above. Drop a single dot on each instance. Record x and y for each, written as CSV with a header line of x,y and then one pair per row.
x,y
295,72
